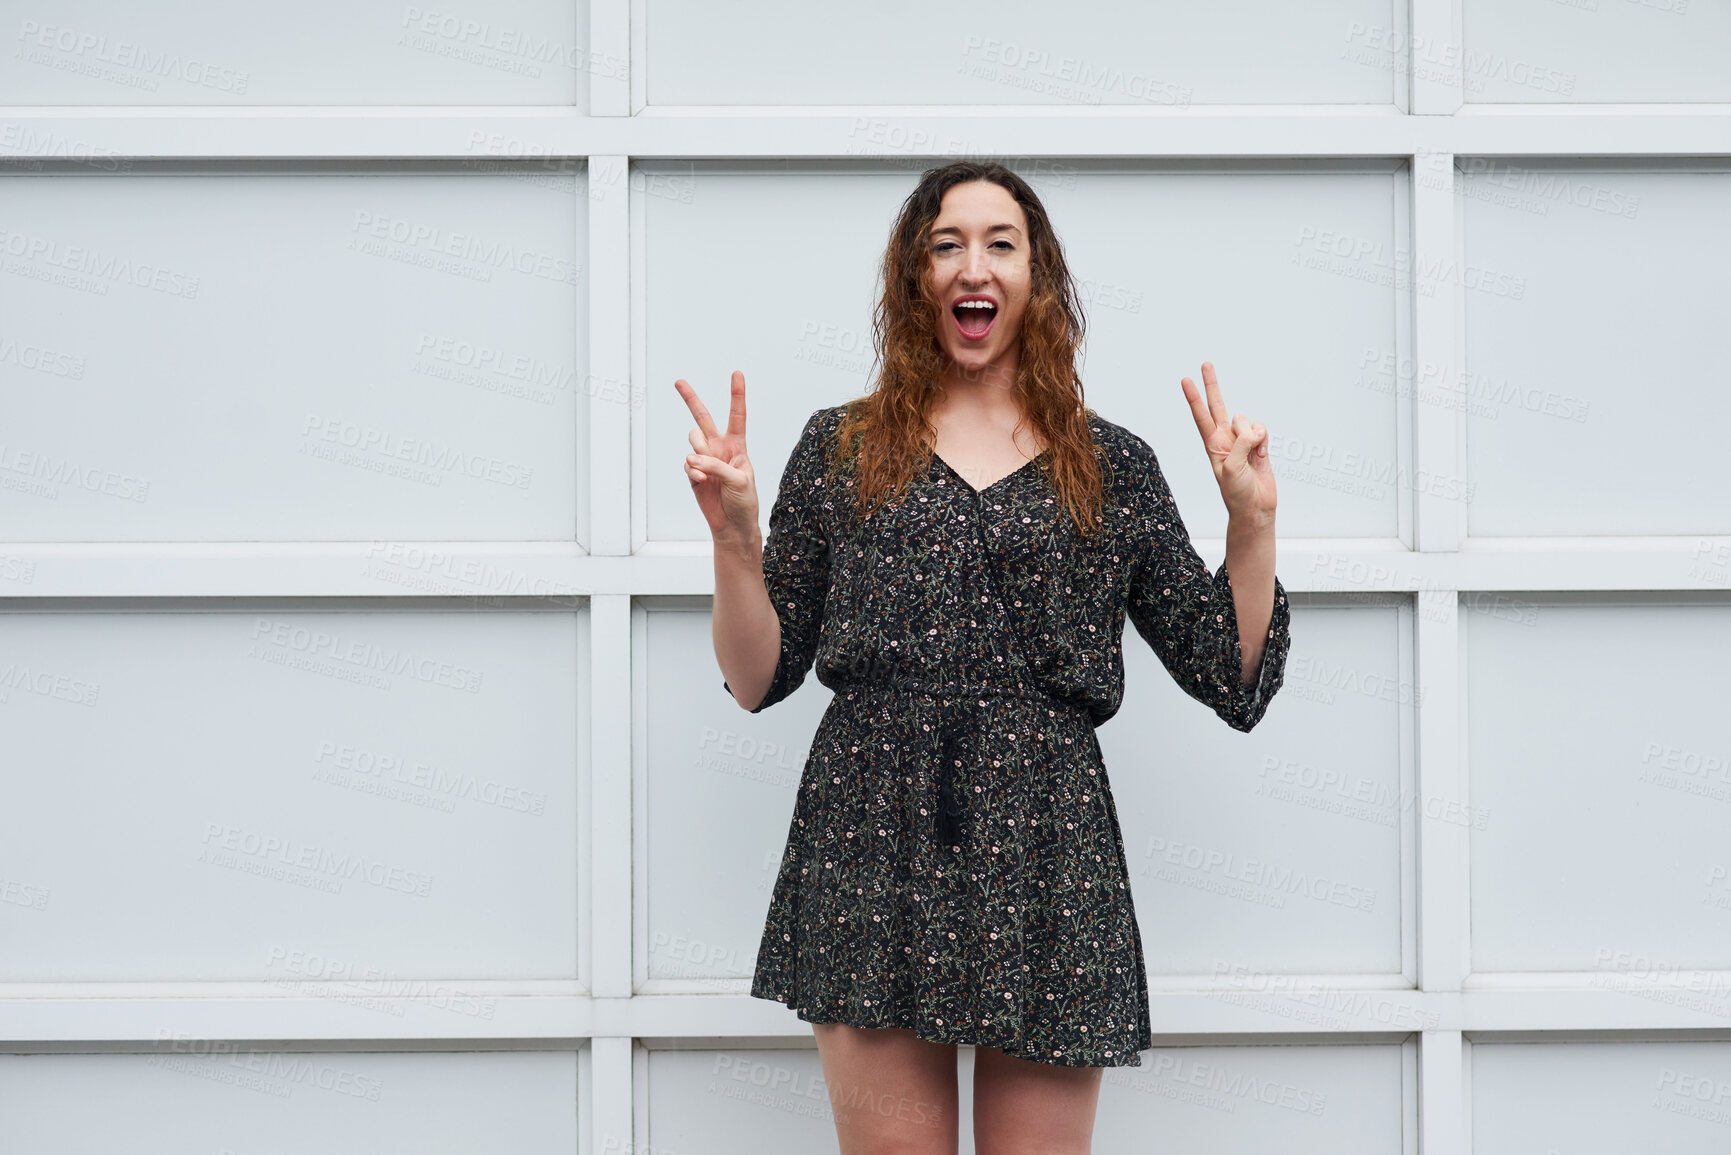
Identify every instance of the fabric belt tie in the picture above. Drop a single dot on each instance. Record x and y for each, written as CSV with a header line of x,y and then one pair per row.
x,y
958,722
959,709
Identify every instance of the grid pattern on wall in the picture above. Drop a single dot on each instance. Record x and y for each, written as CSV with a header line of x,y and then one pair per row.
x,y
1451,122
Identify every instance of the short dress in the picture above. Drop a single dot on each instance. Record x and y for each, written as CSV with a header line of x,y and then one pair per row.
x,y
954,864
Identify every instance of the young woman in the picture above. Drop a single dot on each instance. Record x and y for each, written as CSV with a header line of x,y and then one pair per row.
x,y
957,552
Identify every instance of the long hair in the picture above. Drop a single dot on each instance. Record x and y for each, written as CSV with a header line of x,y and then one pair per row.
x,y
887,434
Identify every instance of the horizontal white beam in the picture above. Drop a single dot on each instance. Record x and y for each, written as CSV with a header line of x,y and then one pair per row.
x,y
1275,1007
1253,131
563,573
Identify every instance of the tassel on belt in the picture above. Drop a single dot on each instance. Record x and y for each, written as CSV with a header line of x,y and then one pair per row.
x,y
958,724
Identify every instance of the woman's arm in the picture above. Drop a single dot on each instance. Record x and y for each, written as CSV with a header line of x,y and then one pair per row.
x,y
744,625
1192,619
1250,561
770,592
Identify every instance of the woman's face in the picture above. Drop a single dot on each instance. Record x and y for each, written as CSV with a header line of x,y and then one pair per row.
x,y
980,253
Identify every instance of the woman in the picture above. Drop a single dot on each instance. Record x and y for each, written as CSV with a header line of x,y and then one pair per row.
x,y
957,552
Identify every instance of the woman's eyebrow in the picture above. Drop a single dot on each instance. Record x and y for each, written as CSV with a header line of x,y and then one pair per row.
x,y
957,231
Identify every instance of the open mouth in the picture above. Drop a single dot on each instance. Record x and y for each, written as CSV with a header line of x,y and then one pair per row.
x,y
974,317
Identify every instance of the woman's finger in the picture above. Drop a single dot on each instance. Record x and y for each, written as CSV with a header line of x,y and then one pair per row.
x,y
716,467
699,412
1216,403
736,406
1244,440
1198,409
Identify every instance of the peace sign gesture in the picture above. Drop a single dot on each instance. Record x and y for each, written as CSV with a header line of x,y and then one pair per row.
x,y
1237,450
719,470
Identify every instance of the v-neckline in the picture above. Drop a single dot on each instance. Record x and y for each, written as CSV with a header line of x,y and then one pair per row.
x,y
981,492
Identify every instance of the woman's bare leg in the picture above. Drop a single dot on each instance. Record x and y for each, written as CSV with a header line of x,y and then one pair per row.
x,y
891,1092
1026,1108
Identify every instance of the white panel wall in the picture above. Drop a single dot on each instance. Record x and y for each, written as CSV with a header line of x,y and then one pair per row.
x,y
1585,284
331,52
281,356
200,1095
361,322
1639,51
1597,1098
1160,54
256,788
1604,834
1242,1100
734,1102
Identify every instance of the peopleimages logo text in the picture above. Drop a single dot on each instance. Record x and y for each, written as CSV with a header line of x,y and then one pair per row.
x,y
444,458
364,655
321,860
152,62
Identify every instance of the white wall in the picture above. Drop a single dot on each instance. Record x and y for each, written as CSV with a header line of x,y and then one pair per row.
x,y
368,780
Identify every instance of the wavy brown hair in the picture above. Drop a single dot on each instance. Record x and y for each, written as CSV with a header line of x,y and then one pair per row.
x,y
887,434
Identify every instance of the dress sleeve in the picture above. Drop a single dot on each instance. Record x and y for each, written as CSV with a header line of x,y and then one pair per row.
x,y
1188,617
796,562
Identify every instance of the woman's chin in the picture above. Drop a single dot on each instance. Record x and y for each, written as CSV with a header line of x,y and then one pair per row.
x,y
971,359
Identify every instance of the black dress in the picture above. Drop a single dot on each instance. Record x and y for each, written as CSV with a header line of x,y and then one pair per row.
x,y
954,865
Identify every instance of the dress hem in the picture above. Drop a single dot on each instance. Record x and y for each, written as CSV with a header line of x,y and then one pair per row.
x,y
1132,1058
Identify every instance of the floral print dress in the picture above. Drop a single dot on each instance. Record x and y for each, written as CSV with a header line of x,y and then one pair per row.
x,y
954,865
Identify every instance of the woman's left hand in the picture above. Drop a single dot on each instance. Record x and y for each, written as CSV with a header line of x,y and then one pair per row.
x,y
1237,451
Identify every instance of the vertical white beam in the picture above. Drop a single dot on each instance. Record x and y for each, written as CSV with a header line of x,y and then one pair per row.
x,y
613,398
609,68
1405,400
1439,429
610,1102
1440,512
1444,952
639,55
1409,1095
637,304
1437,58
610,792
611,402
609,1126
1442,1117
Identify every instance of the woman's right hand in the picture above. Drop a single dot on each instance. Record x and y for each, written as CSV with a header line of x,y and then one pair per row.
x,y
718,468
